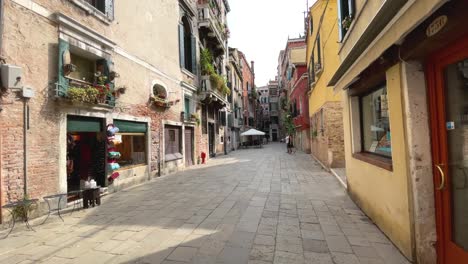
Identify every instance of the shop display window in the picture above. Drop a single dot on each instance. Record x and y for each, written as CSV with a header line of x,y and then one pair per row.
x,y
132,147
375,125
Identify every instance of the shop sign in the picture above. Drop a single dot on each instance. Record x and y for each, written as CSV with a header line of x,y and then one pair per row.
x,y
437,25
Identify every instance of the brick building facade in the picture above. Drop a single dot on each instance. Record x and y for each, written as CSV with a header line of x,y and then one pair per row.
x,y
150,90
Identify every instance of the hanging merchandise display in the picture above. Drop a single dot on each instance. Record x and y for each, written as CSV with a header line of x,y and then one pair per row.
x,y
112,154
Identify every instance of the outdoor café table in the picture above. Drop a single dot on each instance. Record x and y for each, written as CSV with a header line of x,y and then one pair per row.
x,y
26,203
78,193
49,199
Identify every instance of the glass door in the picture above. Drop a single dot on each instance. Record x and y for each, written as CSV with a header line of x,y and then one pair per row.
x,y
448,97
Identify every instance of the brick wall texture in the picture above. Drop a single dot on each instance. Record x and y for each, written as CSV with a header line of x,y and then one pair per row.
x,y
31,42
328,145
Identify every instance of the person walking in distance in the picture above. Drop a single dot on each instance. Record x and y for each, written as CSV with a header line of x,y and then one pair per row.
x,y
288,144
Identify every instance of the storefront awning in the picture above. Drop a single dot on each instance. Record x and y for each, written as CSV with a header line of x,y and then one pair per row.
x,y
130,126
83,124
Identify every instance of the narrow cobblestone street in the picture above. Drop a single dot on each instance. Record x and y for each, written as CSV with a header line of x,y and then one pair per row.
x,y
254,206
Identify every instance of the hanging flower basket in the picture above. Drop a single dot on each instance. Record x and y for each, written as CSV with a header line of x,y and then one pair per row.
x,y
160,102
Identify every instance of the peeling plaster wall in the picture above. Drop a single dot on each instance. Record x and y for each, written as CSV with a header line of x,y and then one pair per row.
x,y
420,161
30,40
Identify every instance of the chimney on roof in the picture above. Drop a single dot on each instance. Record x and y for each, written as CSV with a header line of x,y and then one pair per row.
x,y
252,65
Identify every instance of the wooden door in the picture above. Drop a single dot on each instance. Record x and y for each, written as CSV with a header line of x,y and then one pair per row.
x,y
448,97
188,147
211,139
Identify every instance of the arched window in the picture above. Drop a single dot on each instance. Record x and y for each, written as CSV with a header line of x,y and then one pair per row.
x,y
160,91
187,46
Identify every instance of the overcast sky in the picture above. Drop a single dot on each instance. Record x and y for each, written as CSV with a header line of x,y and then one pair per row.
x,y
260,29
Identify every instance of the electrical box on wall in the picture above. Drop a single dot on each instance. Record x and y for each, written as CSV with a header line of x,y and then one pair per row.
x,y
28,92
11,76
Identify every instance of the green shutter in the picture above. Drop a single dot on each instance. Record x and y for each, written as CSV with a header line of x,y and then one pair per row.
x,y
130,126
194,55
83,124
340,21
62,83
181,46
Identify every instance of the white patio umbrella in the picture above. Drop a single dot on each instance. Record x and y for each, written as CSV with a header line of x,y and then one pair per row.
x,y
253,132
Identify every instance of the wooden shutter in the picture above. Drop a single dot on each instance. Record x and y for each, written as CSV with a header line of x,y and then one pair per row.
x,y
62,88
110,9
176,146
194,54
340,26
181,46
167,144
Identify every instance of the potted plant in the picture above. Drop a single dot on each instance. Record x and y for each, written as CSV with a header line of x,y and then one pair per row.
x,y
83,95
194,117
346,23
69,68
22,210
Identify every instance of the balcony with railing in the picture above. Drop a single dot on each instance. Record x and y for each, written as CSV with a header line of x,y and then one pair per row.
x,y
209,90
211,22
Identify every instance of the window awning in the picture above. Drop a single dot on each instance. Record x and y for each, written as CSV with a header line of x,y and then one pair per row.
x,y
131,126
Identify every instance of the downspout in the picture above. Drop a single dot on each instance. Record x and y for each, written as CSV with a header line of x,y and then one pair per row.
x,y
25,145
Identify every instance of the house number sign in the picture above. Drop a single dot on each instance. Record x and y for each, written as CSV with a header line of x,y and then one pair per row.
x,y
437,25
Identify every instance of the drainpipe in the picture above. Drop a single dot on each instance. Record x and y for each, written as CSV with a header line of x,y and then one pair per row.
x,y
25,144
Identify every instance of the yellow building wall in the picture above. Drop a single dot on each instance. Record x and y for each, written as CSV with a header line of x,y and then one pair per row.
x,y
414,13
382,194
321,93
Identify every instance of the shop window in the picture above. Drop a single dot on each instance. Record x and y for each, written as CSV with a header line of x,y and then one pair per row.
x,y
132,148
375,125
131,142
345,16
173,143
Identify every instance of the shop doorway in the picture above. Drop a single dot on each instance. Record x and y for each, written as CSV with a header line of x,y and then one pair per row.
x,y
188,147
86,152
211,139
448,97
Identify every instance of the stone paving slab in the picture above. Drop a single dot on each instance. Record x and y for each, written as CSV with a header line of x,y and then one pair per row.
x,y
259,206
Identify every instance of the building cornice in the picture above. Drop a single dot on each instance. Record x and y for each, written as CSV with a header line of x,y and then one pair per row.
x,y
74,25
383,17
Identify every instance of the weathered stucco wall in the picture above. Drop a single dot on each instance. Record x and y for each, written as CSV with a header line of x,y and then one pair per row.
x,y
420,161
414,12
30,40
383,194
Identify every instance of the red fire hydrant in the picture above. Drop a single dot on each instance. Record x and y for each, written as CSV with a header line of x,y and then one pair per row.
x,y
203,157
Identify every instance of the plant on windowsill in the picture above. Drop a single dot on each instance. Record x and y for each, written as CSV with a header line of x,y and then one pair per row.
x,y
194,117
83,94
346,23
207,69
69,68
161,101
